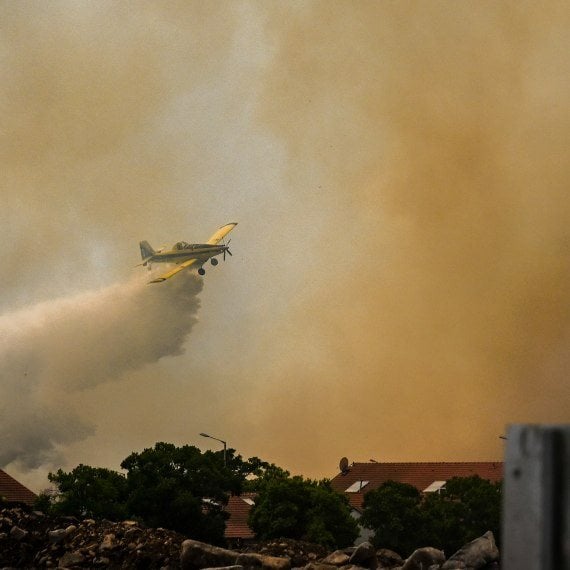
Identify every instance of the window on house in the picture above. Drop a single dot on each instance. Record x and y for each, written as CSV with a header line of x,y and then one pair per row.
x,y
435,487
357,486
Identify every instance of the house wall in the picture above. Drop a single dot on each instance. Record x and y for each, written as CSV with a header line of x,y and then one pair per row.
x,y
364,534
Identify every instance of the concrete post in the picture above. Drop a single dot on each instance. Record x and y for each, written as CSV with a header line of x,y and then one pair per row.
x,y
536,503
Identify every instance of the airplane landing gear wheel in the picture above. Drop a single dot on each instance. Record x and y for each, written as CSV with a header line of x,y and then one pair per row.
x,y
214,261
201,271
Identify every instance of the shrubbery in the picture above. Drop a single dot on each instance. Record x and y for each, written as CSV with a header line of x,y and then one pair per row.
x,y
293,507
183,489
404,519
179,488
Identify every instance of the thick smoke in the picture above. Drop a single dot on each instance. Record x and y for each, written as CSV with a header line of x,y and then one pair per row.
x,y
64,346
428,143
400,281
93,155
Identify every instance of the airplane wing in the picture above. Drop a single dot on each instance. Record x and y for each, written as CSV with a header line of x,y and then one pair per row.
x,y
221,233
174,271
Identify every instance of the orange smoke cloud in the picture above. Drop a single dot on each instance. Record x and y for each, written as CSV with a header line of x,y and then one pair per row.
x,y
430,141
399,285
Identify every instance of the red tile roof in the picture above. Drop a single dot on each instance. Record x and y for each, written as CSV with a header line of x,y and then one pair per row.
x,y
15,492
420,475
238,509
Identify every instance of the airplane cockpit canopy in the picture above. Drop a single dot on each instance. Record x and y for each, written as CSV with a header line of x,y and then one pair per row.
x,y
182,245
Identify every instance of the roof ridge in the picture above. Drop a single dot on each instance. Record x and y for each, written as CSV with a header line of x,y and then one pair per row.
x,y
14,491
2,472
423,462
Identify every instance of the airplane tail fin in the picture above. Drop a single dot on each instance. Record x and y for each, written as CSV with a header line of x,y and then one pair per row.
x,y
146,250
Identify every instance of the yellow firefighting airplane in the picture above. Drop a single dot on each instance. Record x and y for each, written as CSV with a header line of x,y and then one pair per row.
x,y
187,254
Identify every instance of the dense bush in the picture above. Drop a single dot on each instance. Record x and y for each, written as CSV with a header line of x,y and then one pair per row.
x,y
92,492
293,507
393,512
179,488
403,519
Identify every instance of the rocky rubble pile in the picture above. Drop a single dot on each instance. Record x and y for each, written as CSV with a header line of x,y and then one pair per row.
x,y
33,540
480,554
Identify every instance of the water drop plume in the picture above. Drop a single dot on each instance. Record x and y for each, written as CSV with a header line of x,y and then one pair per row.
x,y
56,348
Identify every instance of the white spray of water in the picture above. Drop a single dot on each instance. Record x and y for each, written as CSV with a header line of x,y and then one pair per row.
x,y
72,344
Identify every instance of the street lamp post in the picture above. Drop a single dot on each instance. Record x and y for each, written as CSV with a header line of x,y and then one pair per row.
x,y
221,441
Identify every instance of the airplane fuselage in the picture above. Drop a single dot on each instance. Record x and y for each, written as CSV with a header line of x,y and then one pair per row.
x,y
184,251
185,255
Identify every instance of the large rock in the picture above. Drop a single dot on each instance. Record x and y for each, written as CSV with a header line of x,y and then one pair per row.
x,y
57,535
252,560
109,542
322,566
18,533
388,558
476,554
195,554
70,559
336,558
424,558
364,556
235,567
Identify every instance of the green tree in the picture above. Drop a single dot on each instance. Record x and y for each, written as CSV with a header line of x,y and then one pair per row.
x,y
330,522
466,508
181,488
259,472
304,510
403,519
44,501
442,526
90,492
392,511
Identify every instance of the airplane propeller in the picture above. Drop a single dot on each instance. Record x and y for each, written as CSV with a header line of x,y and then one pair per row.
x,y
227,248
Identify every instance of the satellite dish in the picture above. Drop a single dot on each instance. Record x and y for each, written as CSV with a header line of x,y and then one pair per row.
x,y
343,465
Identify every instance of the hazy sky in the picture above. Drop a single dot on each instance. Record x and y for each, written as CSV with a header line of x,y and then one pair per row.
x,y
400,286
